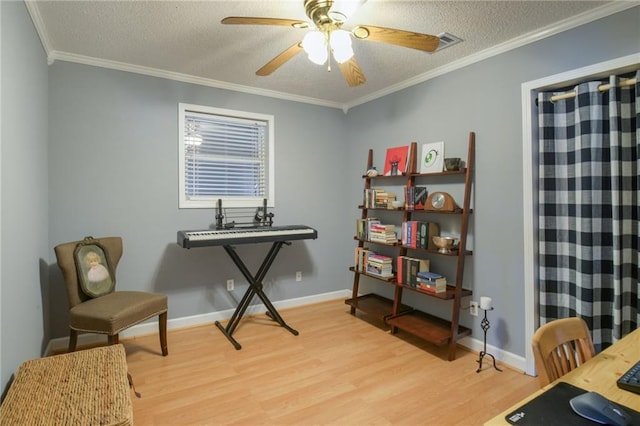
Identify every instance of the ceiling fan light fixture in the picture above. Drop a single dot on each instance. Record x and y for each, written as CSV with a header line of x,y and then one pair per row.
x,y
336,16
360,33
314,43
340,41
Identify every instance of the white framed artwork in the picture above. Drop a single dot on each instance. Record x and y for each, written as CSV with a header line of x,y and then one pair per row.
x,y
432,157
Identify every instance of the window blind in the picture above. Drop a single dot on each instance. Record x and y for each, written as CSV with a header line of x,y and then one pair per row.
x,y
225,157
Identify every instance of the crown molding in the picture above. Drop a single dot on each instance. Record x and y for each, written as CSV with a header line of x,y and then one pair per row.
x,y
185,78
567,24
38,23
548,31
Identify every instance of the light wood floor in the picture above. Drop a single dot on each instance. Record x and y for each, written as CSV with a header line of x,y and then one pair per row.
x,y
340,370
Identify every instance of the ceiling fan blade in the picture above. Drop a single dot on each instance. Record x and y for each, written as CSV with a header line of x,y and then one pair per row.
x,y
241,20
425,42
279,60
352,72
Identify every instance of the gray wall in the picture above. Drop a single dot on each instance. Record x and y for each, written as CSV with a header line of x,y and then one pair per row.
x,y
23,188
111,164
485,98
114,171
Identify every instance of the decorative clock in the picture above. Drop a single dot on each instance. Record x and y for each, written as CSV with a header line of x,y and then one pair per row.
x,y
440,201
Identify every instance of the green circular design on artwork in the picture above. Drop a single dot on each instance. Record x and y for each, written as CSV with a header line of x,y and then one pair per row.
x,y
430,157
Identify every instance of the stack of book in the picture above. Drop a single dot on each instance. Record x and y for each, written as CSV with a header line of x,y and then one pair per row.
x,y
431,282
360,258
381,233
408,268
419,234
379,265
363,227
376,198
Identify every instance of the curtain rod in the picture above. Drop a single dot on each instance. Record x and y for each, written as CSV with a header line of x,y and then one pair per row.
x,y
602,88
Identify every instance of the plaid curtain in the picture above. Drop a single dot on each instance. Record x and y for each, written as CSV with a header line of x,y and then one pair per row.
x,y
589,208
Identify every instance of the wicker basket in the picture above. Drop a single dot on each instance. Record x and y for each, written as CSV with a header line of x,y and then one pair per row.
x,y
88,387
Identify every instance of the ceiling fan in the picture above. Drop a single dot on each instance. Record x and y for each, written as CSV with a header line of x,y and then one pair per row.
x,y
326,37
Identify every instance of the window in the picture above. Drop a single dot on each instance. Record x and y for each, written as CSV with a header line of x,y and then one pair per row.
x,y
225,154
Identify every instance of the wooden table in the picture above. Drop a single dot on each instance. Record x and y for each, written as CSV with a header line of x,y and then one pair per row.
x,y
599,374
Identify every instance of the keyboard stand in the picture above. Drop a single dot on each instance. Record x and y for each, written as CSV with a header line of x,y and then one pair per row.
x,y
255,288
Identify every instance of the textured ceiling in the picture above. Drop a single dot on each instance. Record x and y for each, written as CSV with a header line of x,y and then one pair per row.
x,y
186,40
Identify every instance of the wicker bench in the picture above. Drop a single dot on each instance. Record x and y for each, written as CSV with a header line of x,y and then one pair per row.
x,y
87,387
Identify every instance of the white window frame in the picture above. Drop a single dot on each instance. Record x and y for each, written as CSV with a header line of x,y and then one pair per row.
x,y
186,202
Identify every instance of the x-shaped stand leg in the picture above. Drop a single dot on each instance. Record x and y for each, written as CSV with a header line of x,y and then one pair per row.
x,y
255,288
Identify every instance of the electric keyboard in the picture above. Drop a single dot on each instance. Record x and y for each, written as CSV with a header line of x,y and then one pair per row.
x,y
262,234
631,379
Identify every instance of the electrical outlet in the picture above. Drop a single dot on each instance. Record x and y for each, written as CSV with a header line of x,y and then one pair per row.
x,y
230,285
473,308
299,276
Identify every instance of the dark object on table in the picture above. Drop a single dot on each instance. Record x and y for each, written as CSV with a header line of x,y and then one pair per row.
x,y
593,406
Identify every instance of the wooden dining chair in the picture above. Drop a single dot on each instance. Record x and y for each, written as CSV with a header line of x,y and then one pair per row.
x,y
88,268
560,346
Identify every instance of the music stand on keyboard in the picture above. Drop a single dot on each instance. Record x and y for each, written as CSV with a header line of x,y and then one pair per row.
x,y
277,236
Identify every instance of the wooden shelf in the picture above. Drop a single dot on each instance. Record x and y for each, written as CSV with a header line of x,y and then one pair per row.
x,y
428,327
446,295
398,316
377,242
384,177
430,251
375,305
462,171
377,277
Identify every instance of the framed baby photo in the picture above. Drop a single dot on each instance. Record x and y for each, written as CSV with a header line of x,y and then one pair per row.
x,y
94,268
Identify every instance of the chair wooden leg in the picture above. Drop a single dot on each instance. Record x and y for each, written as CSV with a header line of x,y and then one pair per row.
x,y
162,326
113,339
73,340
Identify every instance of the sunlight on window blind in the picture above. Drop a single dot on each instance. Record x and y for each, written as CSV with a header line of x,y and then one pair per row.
x,y
225,157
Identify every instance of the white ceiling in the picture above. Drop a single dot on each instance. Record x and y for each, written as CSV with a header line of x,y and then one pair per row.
x,y
185,40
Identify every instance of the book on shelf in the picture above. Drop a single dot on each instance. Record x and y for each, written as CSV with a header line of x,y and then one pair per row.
x,y
431,282
431,285
411,231
378,198
419,234
379,269
383,233
426,232
383,227
363,227
429,276
440,287
383,239
432,157
408,268
361,257
408,197
395,162
420,194
380,258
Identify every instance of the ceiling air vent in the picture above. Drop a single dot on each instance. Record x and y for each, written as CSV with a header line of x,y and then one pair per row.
x,y
447,40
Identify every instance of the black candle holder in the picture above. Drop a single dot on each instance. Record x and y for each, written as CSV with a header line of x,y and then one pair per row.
x,y
485,324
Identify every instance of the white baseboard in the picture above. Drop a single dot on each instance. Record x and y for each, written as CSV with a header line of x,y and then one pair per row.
x,y
151,327
514,361
61,344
